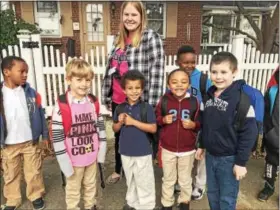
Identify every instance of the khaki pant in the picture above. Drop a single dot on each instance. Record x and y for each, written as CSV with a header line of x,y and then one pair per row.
x,y
83,177
140,180
12,158
173,165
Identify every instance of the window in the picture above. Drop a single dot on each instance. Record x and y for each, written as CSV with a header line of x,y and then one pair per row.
x,y
95,22
214,36
48,17
156,17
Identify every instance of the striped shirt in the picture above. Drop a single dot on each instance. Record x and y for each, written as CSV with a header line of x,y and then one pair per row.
x,y
58,139
149,59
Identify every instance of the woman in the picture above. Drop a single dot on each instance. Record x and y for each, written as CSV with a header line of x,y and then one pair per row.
x,y
135,48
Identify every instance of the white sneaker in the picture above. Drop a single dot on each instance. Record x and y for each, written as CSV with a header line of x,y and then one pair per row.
x,y
197,193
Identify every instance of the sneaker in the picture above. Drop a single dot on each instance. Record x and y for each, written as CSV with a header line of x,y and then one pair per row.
x,y
38,204
92,208
266,193
128,207
4,207
177,188
184,206
197,193
166,208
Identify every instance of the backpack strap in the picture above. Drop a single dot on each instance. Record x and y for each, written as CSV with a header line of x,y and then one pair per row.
x,y
241,110
164,105
143,116
194,103
95,102
65,113
120,108
272,97
144,111
202,86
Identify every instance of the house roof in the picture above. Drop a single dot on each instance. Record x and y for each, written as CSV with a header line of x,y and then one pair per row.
x,y
245,3
250,5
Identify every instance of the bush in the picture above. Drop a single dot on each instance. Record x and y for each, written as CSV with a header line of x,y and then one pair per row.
x,y
9,27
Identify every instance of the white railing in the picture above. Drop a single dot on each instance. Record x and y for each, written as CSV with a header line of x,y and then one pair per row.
x,y
49,68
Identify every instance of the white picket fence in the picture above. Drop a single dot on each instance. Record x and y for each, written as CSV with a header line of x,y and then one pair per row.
x,y
49,74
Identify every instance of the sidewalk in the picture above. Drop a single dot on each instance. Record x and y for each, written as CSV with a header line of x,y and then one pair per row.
x,y
113,197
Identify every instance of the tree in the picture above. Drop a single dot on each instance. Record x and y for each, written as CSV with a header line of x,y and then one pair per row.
x,y
10,25
265,37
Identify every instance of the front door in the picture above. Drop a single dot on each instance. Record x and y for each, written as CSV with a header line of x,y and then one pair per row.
x,y
95,25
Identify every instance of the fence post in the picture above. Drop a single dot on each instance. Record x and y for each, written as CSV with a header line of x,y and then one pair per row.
x,y
26,54
238,51
110,41
38,66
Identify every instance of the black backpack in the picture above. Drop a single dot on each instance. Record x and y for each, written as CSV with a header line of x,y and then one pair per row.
x,y
202,85
143,115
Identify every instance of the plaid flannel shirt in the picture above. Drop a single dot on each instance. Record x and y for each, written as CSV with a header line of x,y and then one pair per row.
x,y
149,59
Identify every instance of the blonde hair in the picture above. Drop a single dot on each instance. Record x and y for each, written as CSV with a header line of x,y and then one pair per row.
x,y
79,68
120,41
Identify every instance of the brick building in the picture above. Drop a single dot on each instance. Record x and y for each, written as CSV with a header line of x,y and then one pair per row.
x,y
89,23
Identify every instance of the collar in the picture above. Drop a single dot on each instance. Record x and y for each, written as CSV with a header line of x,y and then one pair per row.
x,y
71,99
17,89
137,102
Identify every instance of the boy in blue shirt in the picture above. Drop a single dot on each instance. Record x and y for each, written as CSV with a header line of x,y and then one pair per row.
x,y
186,60
134,144
228,149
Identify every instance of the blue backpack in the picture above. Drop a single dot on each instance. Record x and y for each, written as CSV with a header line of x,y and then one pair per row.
x,y
272,97
250,96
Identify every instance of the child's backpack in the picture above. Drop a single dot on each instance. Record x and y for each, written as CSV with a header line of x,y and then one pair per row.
x,y
249,96
143,115
202,85
272,97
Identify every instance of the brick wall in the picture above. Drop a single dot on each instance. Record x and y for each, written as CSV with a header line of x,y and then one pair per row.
x,y
76,18
115,18
61,43
187,12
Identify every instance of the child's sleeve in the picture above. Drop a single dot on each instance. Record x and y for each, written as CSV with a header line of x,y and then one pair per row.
x,y
45,130
246,138
159,117
102,139
58,138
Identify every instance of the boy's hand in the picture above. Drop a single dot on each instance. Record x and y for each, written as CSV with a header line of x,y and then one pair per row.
x,y
188,124
121,118
128,120
239,172
199,154
168,119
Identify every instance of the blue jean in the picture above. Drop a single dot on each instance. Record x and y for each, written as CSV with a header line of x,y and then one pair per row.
x,y
222,185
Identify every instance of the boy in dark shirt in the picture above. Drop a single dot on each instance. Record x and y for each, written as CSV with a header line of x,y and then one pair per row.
x,y
228,150
135,148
